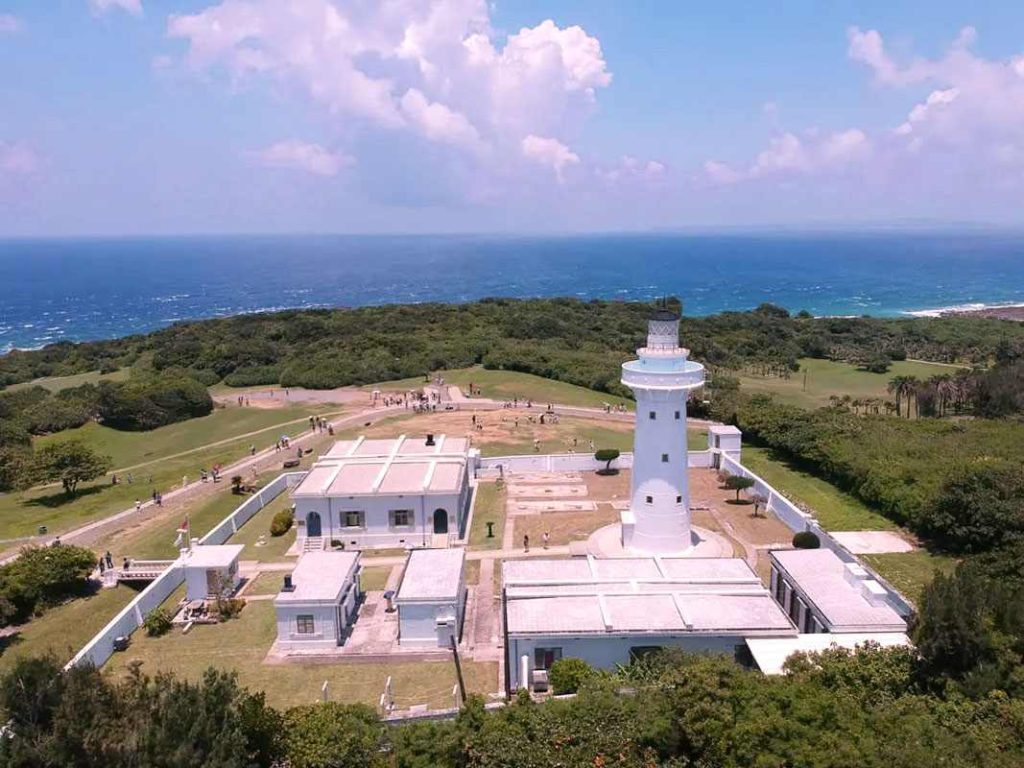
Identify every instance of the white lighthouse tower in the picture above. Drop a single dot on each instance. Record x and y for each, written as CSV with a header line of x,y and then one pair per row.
x,y
658,518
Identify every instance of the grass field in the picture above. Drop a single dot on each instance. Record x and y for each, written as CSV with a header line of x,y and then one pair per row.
x,y
489,507
66,628
835,509
910,572
57,383
817,380
242,643
249,534
267,583
374,578
128,449
506,385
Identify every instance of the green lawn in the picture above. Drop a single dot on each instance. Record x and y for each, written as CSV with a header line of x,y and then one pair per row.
x,y
267,583
128,449
835,509
22,513
489,507
374,578
66,628
506,385
817,380
910,572
249,534
57,383
242,643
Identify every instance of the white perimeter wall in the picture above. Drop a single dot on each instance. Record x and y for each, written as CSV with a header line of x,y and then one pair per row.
x,y
100,648
569,462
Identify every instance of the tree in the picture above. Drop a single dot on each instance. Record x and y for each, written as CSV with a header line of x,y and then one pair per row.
x,y
979,508
607,455
332,734
878,364
71,462
760,502
568,674
738,483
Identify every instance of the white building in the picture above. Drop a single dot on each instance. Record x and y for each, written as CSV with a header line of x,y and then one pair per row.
x,y
211,570
658,518
770,653
319,601
386,493
821,593
431,599
725,438
607,611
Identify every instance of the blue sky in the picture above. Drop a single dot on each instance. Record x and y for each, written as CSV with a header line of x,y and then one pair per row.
x,y
137,116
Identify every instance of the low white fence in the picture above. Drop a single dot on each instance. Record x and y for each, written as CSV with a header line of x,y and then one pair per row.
x,y
798,520
130,618
570,462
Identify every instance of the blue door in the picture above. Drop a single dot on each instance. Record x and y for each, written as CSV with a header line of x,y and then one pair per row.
x,y
313,524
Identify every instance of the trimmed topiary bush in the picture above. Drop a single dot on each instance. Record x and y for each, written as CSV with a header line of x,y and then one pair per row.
x,y
607,455
806,540
282,522
567,675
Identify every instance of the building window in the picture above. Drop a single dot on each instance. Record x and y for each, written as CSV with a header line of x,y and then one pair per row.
x,y
354,519
678,415
650,499
401,518
543,658
304,624
679,499
664,458
652,415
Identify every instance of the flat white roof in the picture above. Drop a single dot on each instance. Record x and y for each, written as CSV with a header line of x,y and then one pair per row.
x,y
320,576
213,555
644,595
390,467
432,575
823,579
724,429
771,653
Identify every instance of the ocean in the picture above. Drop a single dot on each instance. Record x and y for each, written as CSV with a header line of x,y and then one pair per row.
x,y
82,289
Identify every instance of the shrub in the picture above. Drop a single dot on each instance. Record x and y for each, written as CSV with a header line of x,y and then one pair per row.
x,y
282,522
806,540
878,364
40,577
607,455
230,607
567,675
157,622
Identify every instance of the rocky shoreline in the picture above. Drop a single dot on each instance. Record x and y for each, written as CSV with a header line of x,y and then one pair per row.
x,y
999,313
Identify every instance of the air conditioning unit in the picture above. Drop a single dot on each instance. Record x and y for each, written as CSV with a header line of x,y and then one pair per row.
x,y
539,681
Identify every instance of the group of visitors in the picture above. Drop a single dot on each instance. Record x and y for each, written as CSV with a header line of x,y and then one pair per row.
x,y
213,474
545,538
515,402
618,408
243,400
319,424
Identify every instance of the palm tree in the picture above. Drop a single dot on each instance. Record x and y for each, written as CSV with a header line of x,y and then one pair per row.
x,y
898,387
911,384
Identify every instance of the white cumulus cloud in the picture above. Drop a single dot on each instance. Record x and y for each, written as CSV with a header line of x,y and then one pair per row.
x,y
299,156
431,68
792,155
549,152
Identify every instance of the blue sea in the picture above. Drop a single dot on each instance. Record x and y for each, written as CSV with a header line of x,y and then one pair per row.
x,y
67,289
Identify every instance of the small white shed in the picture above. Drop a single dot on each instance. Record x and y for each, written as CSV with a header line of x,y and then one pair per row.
x,y
725,438
319,605
211,570
431,598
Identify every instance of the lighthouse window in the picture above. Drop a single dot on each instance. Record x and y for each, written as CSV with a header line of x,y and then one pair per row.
x,y
679,499
653,415
677,416
650,499
664,458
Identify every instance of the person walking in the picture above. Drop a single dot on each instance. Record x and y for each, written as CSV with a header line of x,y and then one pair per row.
x,y
159,499
138,505
110,559
546,539
252,450
102,565
526,542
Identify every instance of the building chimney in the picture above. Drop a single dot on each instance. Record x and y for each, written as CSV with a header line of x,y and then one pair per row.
x,y
288,586
430,439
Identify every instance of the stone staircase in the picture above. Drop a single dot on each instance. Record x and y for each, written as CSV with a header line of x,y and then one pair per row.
x,y
313,544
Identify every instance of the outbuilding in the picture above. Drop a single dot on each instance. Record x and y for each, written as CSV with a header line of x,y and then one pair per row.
x,y
318,602
822,593
401,492
725,438
431,598
211,570
608,612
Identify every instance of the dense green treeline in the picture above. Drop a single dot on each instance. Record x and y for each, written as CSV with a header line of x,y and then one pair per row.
x,y
581,342
834,710
958,484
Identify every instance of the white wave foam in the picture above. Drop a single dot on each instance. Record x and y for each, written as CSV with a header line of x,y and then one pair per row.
x,y
970,307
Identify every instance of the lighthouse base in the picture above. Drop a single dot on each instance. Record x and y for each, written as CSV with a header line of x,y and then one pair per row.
x,y
607,542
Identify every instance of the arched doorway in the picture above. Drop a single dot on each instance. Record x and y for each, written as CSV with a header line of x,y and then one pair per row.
x,y
440,521
313,524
